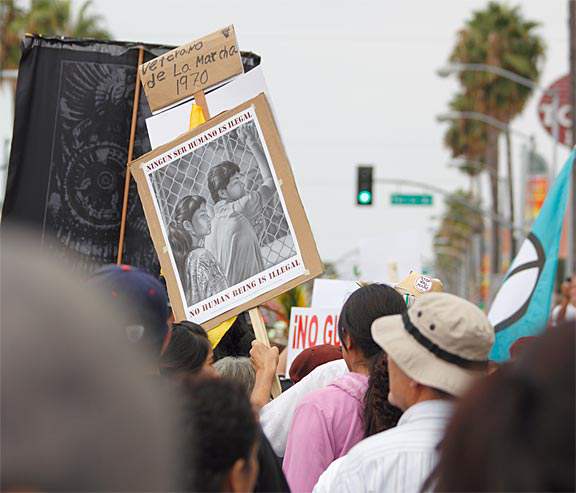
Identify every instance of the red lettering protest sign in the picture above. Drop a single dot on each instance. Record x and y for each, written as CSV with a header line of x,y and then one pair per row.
x,y
311,327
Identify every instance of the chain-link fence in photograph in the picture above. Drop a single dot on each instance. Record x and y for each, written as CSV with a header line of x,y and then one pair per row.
x,y
188,176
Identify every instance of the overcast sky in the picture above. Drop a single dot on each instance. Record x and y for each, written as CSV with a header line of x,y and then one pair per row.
x,y
352,82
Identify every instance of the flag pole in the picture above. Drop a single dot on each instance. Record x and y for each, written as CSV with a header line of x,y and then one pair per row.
x,y
572,201
135,105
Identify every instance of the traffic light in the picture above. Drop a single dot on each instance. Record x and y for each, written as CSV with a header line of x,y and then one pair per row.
x,y
364,189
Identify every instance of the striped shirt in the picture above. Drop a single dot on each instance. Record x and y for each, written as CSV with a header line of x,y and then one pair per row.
x,y
399,459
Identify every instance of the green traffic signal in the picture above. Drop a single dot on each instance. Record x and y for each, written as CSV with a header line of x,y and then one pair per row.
x,y
364,185
364,197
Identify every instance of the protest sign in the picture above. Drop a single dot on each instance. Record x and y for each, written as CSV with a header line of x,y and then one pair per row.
x,y
311,327
332,293
190,68
166,125
225,216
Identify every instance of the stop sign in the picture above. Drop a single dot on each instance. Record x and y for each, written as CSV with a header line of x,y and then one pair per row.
x,y
564,115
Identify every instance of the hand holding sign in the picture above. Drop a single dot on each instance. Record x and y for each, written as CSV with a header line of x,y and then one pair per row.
x,y
265,361
264,358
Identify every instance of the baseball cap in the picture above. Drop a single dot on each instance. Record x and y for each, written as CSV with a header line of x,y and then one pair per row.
x,y
143,299
312,357
441,341
416,284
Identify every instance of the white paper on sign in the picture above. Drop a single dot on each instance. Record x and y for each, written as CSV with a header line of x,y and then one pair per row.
x,y
167,125
331,293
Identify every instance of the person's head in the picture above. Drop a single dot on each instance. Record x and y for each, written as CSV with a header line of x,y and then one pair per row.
x,y
238,339
225,182
221,437
78,412
362,307
435,349
142,297
238,368
565,287
573,291
187,352
192,216
190,224
514,431
311,358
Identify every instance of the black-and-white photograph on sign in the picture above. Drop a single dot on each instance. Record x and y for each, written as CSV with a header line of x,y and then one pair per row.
x,y
225,222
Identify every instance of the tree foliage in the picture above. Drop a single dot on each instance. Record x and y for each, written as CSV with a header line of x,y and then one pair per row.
x,y
48,18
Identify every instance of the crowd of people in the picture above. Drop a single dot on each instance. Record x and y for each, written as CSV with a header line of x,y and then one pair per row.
x,y
103,391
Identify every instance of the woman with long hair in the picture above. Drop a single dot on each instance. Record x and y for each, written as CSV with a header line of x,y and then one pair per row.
x,y
199,271
330,421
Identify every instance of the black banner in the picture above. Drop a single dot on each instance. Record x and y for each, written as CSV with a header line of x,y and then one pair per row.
x,y
69,151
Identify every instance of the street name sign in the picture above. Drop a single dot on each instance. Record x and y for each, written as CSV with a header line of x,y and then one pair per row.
x,y
403,199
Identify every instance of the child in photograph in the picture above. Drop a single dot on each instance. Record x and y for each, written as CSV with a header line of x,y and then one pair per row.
x,y
200,273
234,241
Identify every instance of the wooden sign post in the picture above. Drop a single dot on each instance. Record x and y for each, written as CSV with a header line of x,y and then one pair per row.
x,y
133,123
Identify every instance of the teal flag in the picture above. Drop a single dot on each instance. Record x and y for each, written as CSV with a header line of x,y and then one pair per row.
x,y
522,305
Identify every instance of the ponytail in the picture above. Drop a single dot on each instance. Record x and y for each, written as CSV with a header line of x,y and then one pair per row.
x,y
379,414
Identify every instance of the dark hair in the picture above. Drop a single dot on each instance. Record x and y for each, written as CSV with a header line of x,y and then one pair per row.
x,y
365,305
237,341
180,241
186,351
514,431
379,414
219,428
219,177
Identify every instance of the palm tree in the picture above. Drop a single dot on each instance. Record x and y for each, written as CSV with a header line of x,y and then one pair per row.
x,y
11,25
466,139
54,18
45,17
498,35
453,240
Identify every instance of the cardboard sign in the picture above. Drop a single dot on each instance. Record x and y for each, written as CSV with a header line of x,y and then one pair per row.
x,y
181,72
311,327
223,252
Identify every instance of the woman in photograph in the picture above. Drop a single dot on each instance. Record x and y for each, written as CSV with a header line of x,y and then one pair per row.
x,y
200,273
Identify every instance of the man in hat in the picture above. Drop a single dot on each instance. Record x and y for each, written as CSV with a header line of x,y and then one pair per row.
x,y
435,351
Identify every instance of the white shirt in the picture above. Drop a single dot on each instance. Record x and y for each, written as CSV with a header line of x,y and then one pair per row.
x,y
399,459
276,416
570,313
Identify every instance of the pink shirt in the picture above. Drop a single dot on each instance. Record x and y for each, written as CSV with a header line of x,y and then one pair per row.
x,y
325,426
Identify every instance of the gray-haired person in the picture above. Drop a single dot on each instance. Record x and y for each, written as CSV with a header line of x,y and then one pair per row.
x,y
237,368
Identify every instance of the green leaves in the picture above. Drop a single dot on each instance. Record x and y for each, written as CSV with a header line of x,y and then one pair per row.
x,y
48,18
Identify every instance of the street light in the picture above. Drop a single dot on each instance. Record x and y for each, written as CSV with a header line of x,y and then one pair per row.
x,y
489,120
504,127
455,68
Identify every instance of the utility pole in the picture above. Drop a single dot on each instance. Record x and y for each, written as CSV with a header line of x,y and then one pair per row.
x,y
572,202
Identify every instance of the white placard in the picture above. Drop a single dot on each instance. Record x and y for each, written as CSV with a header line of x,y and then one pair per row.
x,y
311,327
169,124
